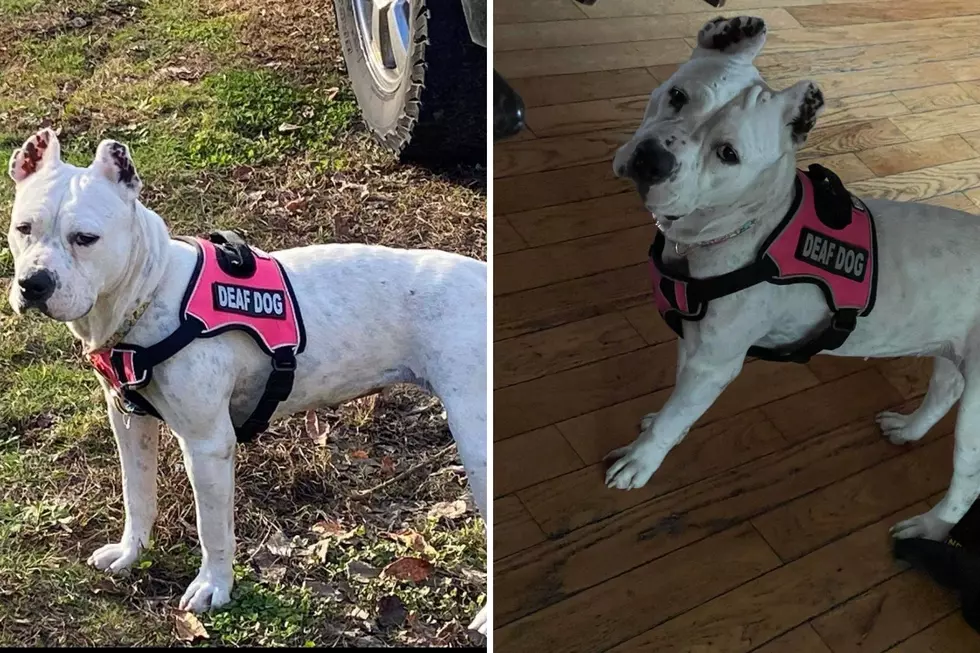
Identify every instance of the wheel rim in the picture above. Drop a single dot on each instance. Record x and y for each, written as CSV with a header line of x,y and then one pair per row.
x,y
384,31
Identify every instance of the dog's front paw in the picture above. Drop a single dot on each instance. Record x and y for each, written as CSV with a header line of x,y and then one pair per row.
x,y
480,622
631,469
208,592
115,558
926,525
898,428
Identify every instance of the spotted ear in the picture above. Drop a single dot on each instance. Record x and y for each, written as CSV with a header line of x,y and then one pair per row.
x,y
40,151
740,36
113,160
804,103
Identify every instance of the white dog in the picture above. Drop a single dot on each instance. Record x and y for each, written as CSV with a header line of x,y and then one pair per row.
x,y
88,253
714,160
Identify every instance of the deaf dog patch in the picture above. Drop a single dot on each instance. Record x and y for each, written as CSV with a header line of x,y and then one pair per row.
x,y
249,301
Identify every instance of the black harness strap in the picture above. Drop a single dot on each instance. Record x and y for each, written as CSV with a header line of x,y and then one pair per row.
x,y
703,290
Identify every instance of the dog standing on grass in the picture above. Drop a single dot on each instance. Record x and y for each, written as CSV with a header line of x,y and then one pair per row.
x,y
714,161
88,253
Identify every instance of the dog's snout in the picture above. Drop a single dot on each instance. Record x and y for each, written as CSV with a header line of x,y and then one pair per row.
x,y
37,286
651,162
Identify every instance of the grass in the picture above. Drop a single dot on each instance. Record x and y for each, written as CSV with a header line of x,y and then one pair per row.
x,y
239,116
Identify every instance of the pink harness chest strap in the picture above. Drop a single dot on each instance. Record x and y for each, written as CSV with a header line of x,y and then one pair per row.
x,y
827,238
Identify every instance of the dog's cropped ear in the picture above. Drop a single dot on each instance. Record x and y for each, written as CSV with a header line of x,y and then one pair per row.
x,y
39,151
742,36
804,102
113,160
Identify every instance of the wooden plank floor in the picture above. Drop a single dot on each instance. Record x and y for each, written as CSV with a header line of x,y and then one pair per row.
x,y
766,529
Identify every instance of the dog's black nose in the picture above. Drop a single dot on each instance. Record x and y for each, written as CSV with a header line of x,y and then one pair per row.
x,y
37,286
651,163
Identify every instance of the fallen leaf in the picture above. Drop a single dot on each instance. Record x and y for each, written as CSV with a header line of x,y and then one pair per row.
x,y
189,627
297,205
78,22
413,540
448,510
387,466
326,590
287,127
359,454
391,611
279,545
362,570
329,527
314,428
413,569
332,93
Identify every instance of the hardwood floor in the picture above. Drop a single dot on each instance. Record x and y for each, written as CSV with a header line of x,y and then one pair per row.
x,y
766,529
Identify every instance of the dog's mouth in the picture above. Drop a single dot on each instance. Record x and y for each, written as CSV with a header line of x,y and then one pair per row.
x,y
664,221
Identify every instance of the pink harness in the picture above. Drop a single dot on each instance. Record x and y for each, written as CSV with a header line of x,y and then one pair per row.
x,y
827,238
233,287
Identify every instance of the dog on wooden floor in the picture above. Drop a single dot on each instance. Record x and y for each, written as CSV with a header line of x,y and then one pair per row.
x,y
755,257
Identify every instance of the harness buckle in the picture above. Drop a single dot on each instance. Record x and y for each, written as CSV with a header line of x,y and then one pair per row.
x,y
284,361
844,321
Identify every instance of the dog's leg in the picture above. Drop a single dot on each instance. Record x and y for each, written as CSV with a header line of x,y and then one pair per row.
x,y
965,484
468,423
137,440
209,456
703,373
945,388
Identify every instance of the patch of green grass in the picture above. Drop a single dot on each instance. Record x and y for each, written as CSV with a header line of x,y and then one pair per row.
x,y
62,56
11,8
259,117
47,387
169,26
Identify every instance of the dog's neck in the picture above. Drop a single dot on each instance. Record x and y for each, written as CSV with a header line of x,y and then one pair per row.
x,y
762,211
148,260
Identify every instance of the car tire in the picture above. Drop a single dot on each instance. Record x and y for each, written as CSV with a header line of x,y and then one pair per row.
x,y
432,108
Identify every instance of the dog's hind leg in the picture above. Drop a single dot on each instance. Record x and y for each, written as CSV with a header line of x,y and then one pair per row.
x,y
945,388
965,484
137,438
467,416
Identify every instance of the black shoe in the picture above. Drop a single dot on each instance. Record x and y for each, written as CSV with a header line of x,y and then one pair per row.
x,y
508,109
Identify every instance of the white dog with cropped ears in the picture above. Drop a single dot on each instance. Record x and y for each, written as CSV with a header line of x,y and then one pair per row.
x,y
88,253
715,163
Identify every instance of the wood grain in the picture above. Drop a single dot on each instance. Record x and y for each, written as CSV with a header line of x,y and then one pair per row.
x,y
851,137
554,224
793,593
514,194
505,239
540,154
802,639
565,33
859,13
581,87
574,500
548,572
950,635
885,615
550,306
530,458
806,524
605,615
562,395
921,184
893,159
513,528
590,58
570,345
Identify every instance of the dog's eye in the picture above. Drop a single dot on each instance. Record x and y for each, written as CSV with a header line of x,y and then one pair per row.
x,y
24,229
727,154
678,98
84,240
